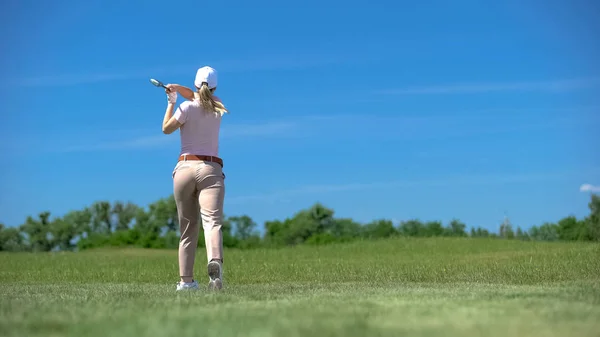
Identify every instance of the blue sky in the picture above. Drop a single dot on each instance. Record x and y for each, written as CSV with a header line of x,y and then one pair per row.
x,y
394,109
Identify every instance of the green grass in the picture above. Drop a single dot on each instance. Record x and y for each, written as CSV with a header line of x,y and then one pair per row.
x,y
417,287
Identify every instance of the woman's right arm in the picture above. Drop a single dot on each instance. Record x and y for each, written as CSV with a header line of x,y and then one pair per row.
x,y
186,92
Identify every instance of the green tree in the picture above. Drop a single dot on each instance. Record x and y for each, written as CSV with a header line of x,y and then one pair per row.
x,y
592,222
413,227
63,233
124,214
379,229
316,220
433,228
546,232
276,232
101,217
163,213
11,239
480,232
345,229
156,226
456,228
38,232
245,233
243,226
229,240
522,235
506,230
570,229
306,223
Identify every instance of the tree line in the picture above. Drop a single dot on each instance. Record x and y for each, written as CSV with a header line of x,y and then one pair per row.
x,y
120,224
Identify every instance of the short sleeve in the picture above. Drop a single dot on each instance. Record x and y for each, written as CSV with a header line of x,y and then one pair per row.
x,y
181,113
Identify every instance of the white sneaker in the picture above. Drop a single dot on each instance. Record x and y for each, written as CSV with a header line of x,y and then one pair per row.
x,y
187,286
215,273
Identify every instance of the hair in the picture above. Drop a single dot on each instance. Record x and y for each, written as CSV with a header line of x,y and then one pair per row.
x,y
208,101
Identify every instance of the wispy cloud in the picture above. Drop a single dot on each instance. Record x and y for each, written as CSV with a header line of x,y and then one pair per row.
x,y
244,131
589,188
482,180
251,63
130,144
58,80
473,88
340,127
267,129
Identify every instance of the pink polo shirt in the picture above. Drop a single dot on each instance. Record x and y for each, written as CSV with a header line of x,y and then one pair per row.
x,y
199,131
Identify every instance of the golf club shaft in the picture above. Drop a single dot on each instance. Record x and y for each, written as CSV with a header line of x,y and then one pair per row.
x,y
158,83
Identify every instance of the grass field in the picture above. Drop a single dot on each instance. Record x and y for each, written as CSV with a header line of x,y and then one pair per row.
x,y
416,287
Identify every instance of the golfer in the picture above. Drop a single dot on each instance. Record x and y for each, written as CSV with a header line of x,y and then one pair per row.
x,y
198,179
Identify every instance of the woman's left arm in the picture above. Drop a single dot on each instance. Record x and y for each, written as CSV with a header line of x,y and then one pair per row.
x,y
170,123
186,92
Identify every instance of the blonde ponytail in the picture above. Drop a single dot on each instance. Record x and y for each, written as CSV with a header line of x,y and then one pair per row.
x,y
208,101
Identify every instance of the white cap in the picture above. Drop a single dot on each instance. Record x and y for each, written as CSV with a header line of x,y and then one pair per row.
x,y
208,75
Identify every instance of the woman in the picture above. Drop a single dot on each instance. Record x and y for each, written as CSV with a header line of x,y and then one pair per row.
x,y
198,179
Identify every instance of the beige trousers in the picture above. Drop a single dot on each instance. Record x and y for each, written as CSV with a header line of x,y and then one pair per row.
x,y
199,188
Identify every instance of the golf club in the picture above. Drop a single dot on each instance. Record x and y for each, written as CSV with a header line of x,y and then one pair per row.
x,y
158,83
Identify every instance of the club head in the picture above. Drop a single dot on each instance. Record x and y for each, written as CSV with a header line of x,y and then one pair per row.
x,y
157,83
